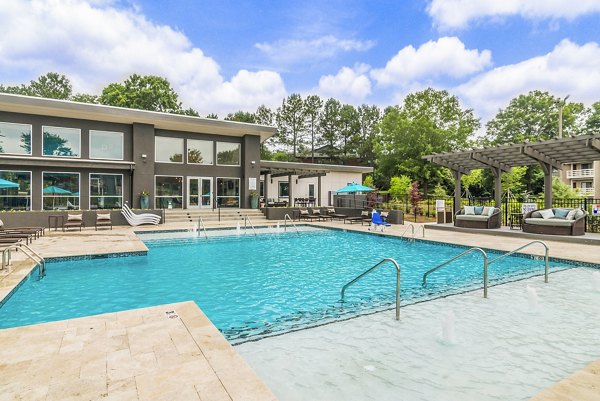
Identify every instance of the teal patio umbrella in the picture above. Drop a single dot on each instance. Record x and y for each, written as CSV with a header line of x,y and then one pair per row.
x,y
54,190
7,184
353,188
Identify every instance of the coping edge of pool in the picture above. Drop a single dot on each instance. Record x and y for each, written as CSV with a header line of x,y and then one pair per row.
x,y
56,259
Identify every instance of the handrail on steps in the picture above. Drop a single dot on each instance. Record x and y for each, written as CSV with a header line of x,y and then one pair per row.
x,y
201,224
546,255
248,221
414,231
30,253
465,253
285,219
396,265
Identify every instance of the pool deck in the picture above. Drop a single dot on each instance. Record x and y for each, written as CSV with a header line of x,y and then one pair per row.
x,y
140,354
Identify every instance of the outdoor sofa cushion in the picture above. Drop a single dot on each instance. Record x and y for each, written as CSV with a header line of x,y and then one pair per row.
x,y
472,217
547,213
469,210
549,222
561,213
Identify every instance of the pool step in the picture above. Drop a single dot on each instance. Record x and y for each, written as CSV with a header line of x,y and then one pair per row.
x,y
209,216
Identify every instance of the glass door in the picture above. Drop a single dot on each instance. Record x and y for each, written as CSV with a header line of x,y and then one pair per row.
x,y
199,192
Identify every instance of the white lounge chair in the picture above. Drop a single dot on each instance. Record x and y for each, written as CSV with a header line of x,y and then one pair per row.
x,y
139,219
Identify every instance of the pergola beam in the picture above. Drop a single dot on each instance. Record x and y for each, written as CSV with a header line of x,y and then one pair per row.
x,y
594,143
541,157
489,161
312,175
450,165
284,174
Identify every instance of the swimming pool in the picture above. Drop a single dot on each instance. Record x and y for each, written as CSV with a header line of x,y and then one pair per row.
x,y
251,287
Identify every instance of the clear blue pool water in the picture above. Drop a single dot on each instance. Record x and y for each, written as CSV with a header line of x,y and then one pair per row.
x,y
255,286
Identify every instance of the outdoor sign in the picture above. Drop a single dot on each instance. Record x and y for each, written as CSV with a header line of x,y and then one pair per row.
x,y
596,210
252,183
440,205
528,207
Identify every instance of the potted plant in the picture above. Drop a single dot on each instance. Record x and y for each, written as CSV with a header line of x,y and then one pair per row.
x,y
253,199
144,200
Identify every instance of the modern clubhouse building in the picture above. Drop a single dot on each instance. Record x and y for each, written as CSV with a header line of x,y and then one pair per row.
x,y
61,155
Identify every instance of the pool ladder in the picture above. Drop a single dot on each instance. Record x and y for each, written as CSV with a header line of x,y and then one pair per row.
x,y
246,222
285,220
384,261
201,225
414,231
487,262
27,251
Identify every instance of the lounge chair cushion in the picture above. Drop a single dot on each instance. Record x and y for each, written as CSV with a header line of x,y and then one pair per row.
x,y
536,214
316,211
103,216
74,217
470,210
364,213
547,213
472,217
305,212
549,222
331,211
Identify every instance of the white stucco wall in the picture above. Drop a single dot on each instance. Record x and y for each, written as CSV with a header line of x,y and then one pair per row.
x,y
331,182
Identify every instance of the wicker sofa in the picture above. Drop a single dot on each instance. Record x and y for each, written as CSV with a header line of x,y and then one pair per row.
x,y
482,220
534,222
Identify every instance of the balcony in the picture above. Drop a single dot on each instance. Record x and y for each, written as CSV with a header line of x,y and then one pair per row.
x,y
586,191
586,173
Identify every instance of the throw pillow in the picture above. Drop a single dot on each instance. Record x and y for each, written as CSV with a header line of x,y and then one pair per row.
x,y
469,210
486,211
571,214
364,213
303,211
103,216
316,211
479,210
74,217
1,224
579,213
561,213
547,213
491,211
331,211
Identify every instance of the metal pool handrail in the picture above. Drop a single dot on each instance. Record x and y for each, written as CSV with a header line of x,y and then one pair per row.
x,y
406,229
465,253
201,224
248,221
285,219
417,231
30,253
546,252
373,268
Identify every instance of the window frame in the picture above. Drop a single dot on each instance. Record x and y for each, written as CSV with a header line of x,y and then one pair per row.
x,y
170,196
30,196
111,132
279,189
58,156
62,172
31,140
239,145
183,150
217,196
187,149
110,196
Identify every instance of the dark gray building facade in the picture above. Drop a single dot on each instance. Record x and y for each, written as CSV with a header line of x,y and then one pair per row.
x,y
60,155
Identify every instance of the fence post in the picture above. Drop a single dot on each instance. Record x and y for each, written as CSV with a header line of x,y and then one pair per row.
x,y
585,208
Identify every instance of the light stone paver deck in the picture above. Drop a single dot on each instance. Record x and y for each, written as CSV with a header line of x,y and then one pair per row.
x,y
143,361
132,355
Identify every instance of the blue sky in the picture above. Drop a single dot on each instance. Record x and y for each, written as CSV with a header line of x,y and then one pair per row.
x,y
222,56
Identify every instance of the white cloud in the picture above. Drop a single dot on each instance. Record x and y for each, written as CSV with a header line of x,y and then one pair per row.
x,y
445,57
292,51
458,13
567,69
94,43
349,85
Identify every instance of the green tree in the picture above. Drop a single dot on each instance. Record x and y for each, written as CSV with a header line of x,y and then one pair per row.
x,y
291,123
194,156
400,186
84,98
534,117
213,116
146,92
592,123
265,116
560,190
369,118
513,181
430,121
312,111
51,85
368,181
241,116
474,184
439,191
329,122
349,129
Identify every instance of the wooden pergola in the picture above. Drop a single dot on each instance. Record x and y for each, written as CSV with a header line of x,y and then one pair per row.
x,y
550,154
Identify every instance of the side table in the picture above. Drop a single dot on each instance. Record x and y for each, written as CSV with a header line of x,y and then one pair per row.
x,y
516,221
55,218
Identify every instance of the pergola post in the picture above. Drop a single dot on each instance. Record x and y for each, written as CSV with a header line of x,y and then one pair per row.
x,y
319,191
497,187
547,168
265,189
457,190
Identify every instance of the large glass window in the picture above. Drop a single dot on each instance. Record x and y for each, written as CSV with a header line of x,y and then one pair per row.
x,y
284,189
64,142
60,191
228,154
15,193
228,192
106,191
15,138
106,145
169,192
168,150
199,152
